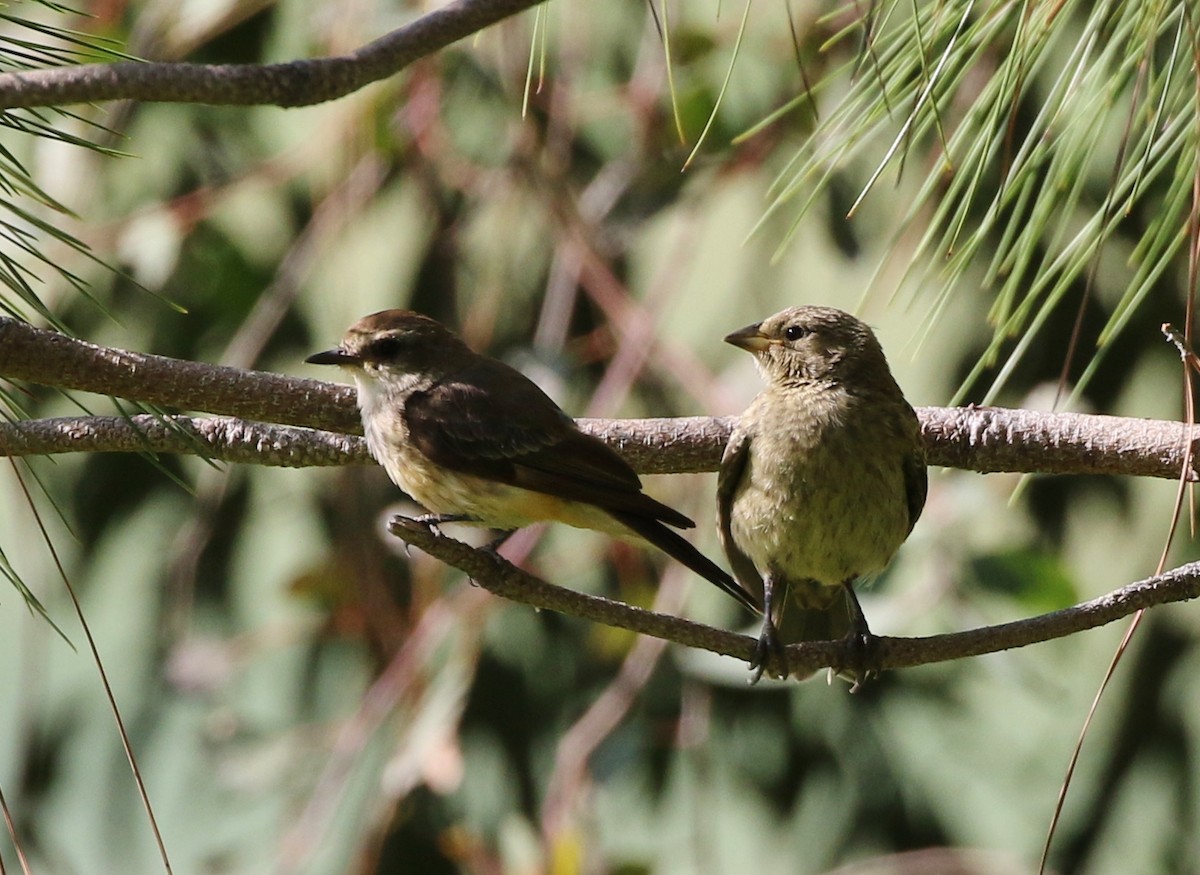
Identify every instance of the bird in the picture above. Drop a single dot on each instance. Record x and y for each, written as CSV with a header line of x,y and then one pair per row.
x,y
474,440
822,479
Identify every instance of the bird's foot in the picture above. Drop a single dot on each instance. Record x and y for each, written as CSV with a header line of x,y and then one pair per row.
x,y
492,547
434,521
860,647
769,648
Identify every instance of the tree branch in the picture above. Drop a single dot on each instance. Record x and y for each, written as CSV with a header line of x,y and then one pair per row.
x,y
219,438
500,577
994,439
983,439
295,83
52,359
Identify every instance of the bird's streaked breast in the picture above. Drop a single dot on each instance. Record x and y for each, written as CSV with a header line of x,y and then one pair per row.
x,y
793,515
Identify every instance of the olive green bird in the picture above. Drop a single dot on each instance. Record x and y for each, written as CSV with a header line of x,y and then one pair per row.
x,y
823,477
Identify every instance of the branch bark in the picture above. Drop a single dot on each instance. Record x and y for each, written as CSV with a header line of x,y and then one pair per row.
x,y
295,83
52,359
500,577
219,438
982,439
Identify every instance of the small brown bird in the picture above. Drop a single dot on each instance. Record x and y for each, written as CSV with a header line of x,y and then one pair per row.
x,y
823,477
476,441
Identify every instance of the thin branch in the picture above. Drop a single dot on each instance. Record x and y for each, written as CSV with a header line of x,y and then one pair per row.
x,y
105,682
219,438
498,576
983,439
294,83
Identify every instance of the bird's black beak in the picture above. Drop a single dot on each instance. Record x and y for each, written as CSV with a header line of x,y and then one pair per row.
x,y
749,338
333,357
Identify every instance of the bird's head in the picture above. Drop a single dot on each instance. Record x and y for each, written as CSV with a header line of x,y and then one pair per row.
x,y
808,344
395,344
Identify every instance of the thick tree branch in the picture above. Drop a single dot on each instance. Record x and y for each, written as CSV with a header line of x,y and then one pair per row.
x,y
985,439
498,576
53,359
295,83
994,439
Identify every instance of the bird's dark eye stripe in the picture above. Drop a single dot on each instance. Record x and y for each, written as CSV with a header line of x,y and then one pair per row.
x,y
794,332
385,347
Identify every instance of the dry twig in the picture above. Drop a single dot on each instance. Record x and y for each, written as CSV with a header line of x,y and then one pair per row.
x,y
293,83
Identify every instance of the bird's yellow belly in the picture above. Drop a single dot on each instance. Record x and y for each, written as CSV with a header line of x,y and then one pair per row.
x,y
488,502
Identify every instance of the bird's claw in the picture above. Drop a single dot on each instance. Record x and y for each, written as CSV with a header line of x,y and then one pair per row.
x,y
861,645
492,547
768,647
434,521
431,521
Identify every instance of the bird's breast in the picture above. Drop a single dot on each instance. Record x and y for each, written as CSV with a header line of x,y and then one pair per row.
x,y
823,494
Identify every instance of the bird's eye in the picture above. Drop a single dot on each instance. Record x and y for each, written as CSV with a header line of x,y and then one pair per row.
x,y
794,332
386,348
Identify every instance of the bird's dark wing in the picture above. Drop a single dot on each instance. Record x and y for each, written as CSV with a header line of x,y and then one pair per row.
x,y
492,421
916,475
916,486
733,467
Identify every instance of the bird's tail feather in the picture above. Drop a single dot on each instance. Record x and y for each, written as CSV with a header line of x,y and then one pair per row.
x,y
680,549
818,613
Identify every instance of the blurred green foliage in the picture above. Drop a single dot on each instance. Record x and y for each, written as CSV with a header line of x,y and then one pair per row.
x,y
305,697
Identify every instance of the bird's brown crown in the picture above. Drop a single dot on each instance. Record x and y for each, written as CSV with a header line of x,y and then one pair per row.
x,y
401,339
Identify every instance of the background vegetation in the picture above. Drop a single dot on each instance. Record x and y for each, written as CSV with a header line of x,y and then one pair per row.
x,y
305,697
